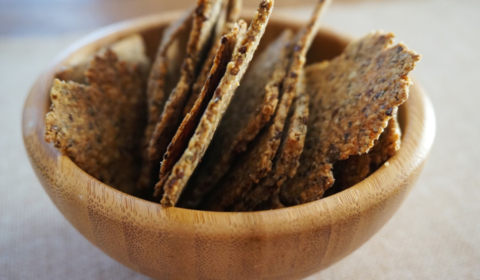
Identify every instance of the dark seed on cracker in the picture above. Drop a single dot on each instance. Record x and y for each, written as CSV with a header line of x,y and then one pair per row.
x,y
99,125
348,100
199,142
204,20
354,169
286,160
229,15
251,108
189,123
233,137
164,75
257,162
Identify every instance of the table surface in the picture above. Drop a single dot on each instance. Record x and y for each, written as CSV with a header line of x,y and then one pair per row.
x,y
436,232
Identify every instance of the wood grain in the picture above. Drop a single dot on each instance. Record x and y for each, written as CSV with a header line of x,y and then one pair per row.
x,y
175,243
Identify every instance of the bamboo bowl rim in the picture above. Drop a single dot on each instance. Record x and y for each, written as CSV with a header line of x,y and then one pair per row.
x,y
417,140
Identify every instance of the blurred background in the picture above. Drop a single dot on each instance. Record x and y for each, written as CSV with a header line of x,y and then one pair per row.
x,y
49,17
434,235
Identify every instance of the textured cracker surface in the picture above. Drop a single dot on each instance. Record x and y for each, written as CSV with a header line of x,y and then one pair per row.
x,y
130,49
251,108
204,19
352,99
387,145
257,162
356,168
286,160
189,123
229,15
164,75
74,73
350,171
209,122
99,126
176,180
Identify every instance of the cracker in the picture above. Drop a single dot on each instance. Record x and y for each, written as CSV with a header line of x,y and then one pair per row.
x,y
251,108
189,123
201,139
204,19
286,160
356,168
74,73
229,15
351,171
387,145
354,97
130,50
164,75
99,126
255,164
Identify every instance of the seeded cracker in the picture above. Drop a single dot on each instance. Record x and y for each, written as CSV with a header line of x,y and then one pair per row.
x,y
350,171
356,168
251,108
74,73
257,162
130,50
354,97
286,160
217,106
189,123
163,78
229,15
204,19
387,145
98,126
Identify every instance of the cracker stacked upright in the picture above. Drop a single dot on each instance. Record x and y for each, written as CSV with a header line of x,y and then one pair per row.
x,y
213,125
96,117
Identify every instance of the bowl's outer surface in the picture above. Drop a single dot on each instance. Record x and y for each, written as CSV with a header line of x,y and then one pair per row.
x,y
174,243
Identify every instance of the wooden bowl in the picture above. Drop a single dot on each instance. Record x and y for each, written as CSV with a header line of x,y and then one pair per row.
x,y
175,243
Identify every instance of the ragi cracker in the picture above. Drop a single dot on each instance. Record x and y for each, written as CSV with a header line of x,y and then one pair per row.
x,y
99,126
387,145
349,172
74,73
286,160
204,19
251,108
208,123
229,15
189,123
354,169
352,99
130,49
164,75
257,162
